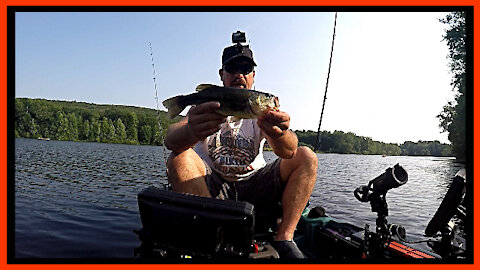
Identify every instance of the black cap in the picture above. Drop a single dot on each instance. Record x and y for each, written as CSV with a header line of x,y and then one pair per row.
x,y
236,51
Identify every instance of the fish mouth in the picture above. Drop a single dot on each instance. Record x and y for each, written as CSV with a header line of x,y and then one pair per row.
x,y
276,102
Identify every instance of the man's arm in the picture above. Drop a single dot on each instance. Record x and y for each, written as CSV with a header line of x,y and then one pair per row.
x,y
274,126
200,122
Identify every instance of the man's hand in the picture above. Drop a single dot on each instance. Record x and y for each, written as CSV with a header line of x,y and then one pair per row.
x,y
203,121
274,123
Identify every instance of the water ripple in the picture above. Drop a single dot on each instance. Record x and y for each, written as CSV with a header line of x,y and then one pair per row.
x,y
79,200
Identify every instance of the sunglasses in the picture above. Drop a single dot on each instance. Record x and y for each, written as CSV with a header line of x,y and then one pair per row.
x,y
242,68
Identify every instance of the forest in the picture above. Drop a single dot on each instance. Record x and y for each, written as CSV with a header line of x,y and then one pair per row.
x,y
79,121
349,143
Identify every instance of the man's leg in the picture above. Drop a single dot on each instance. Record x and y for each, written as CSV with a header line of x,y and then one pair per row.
x,y
186,173
299,173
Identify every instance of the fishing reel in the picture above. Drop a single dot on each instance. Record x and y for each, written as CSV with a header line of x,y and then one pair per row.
x,y
375,193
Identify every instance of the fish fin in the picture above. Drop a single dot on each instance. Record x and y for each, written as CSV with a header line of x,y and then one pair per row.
x,y
173,106
203,86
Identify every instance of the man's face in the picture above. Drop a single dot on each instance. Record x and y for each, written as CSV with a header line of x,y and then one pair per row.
x,y
238,73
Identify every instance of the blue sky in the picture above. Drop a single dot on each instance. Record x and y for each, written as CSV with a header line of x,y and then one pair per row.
x,y
389,76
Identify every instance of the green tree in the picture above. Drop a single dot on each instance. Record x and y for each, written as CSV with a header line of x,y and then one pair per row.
x,y
120,131
23,121
145,134
80,127
131,125
72,127
452,118
107,131
95,130
157,135
85,135
61,127
34,129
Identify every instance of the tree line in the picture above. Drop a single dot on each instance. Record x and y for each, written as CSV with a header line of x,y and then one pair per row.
x,y
349,143
79,121
453,117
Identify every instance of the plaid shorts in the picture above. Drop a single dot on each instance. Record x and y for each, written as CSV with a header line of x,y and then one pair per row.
x,y
263,189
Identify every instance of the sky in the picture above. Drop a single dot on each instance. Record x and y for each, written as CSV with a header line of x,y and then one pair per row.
x,y
389,76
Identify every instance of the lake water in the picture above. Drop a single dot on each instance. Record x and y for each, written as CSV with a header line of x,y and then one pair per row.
x,y
79,200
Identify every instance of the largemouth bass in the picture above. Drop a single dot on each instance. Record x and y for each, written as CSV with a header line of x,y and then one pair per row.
x,y
240,103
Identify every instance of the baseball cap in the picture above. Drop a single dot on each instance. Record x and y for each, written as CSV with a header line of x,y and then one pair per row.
x,y
237,51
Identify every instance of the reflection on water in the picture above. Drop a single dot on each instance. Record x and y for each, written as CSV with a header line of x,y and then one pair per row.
x,y
80,199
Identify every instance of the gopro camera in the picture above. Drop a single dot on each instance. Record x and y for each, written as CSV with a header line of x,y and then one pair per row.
x,y
238,37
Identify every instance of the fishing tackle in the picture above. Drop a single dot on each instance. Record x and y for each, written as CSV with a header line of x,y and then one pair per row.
x,y
158,109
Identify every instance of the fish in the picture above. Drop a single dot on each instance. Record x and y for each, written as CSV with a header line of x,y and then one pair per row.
x,y
236,102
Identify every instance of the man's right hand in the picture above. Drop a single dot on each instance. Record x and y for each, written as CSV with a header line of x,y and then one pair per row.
x,y
203,121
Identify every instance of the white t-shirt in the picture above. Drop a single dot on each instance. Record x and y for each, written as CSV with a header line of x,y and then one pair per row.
x,y
235,151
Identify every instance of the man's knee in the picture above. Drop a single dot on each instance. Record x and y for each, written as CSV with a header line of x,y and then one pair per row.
x,y
307,157
187,173
172,161
185,164
309,163
176,160
304,161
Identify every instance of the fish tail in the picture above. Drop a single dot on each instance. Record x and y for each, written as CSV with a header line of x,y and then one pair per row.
x,y
173,106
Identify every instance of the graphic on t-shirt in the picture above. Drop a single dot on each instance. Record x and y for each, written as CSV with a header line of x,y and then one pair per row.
x,y
232,153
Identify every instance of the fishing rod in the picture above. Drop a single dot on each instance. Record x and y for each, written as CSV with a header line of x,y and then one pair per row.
x,y
158,109
154,79
317,144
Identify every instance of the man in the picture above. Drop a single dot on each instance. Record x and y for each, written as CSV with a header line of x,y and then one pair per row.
x,y
227,160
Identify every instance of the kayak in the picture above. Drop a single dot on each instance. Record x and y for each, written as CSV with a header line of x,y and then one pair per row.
x,y
176,225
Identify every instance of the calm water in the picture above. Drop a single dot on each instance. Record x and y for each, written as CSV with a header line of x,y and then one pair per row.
x,y
79,200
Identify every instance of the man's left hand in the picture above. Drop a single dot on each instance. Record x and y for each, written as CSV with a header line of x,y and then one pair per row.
x,y
274,123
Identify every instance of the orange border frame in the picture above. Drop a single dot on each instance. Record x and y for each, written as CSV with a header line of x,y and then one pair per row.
x,y
3,122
